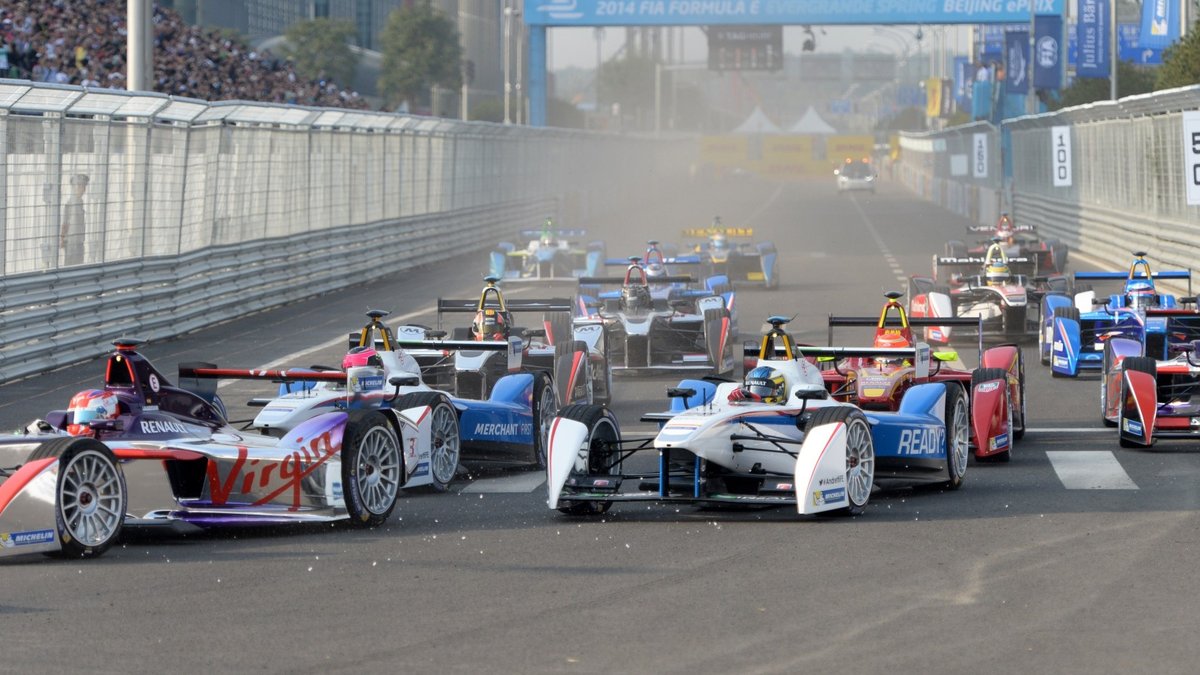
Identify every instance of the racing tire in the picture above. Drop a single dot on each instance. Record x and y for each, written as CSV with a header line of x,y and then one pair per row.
x,y
1019,433
445,442
90,497
983,375
602,428
1141,364
1066,313
860,454
958,436
545,409
1104,385
372,468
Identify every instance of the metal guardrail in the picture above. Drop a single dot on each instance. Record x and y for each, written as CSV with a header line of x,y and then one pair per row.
x,y
52,319
132,213
1128,187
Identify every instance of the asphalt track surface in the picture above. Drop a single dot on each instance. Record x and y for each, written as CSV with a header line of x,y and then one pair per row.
x,y
1028,568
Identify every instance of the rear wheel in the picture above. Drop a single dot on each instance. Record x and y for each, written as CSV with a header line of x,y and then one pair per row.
x,y
371,468
860,454
1019,431
90,498
598,456
545,408
1141,364
958,436
445,441
1062,313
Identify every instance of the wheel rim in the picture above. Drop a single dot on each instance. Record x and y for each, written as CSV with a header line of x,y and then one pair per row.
x,y
860,463
960,437
547,409
445,443
377,469
90,498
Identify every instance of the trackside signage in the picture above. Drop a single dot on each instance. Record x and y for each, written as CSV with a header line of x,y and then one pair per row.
x,y
979,156
1191,155
1060,152
780,12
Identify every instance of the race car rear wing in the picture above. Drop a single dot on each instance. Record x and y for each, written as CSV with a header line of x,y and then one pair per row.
x,y
676,260
673,279
976,260
456,306
706,232
559,234
1122,276
992,228
514,346
920,354
894,322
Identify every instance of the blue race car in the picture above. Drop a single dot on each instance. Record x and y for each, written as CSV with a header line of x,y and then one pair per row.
x,y
1074,328
550,254
742,261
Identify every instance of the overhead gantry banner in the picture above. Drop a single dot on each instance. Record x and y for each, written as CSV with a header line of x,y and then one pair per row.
x,y
783,12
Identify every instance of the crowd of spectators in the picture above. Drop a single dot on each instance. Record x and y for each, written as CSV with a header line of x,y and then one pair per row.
x,y
84,41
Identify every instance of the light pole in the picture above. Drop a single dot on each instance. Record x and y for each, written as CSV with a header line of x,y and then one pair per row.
x,y
507,63
520,70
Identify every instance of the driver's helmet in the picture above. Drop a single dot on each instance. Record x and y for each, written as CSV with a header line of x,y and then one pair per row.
x,y
1140,295
719,242
997,273
362,356
1004,229
490,324
764,384
90,405
635,296
654,270
890,339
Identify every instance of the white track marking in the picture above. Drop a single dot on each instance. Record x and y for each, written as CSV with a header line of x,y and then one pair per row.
x,y
1070,430
1090,470
765,205
883,247
520,483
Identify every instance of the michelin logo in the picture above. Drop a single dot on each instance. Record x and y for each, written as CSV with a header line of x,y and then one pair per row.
x,y
1134,427
834,496
14,539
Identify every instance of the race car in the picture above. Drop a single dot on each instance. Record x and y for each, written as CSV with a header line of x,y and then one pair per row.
x,y
1045,256
775,439
1074,327
1148,398
740,261
573,352
550,254
1003,300
875,379
63,481
855,175
653,325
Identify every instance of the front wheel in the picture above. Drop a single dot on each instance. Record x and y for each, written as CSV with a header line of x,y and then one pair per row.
x,y
958,436
445,441
860,454
545,408
90,498
598,456
371,468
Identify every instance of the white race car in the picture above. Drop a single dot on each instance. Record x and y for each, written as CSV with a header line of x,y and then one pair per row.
x,y
796,446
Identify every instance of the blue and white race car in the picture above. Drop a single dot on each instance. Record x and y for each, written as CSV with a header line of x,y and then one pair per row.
x,y
776,439
550,254
1074,328
729,251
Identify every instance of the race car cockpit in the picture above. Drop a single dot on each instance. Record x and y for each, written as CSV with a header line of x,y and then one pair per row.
x,y
635,291
492,318
996,271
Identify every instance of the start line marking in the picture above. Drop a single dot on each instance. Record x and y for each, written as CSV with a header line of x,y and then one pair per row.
x,y
1090,470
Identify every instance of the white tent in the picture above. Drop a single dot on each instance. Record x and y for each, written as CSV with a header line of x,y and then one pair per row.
x,y
812,123
757,123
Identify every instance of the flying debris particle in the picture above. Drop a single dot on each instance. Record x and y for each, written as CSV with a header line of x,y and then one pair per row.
x,y
626,545
374,563
464,537
310,568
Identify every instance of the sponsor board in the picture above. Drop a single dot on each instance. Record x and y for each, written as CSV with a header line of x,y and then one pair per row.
x,y
999,442
926,441
161,427
498,429
1133,427
987,387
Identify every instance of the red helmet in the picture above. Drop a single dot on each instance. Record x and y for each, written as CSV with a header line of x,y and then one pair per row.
x,y
90,405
